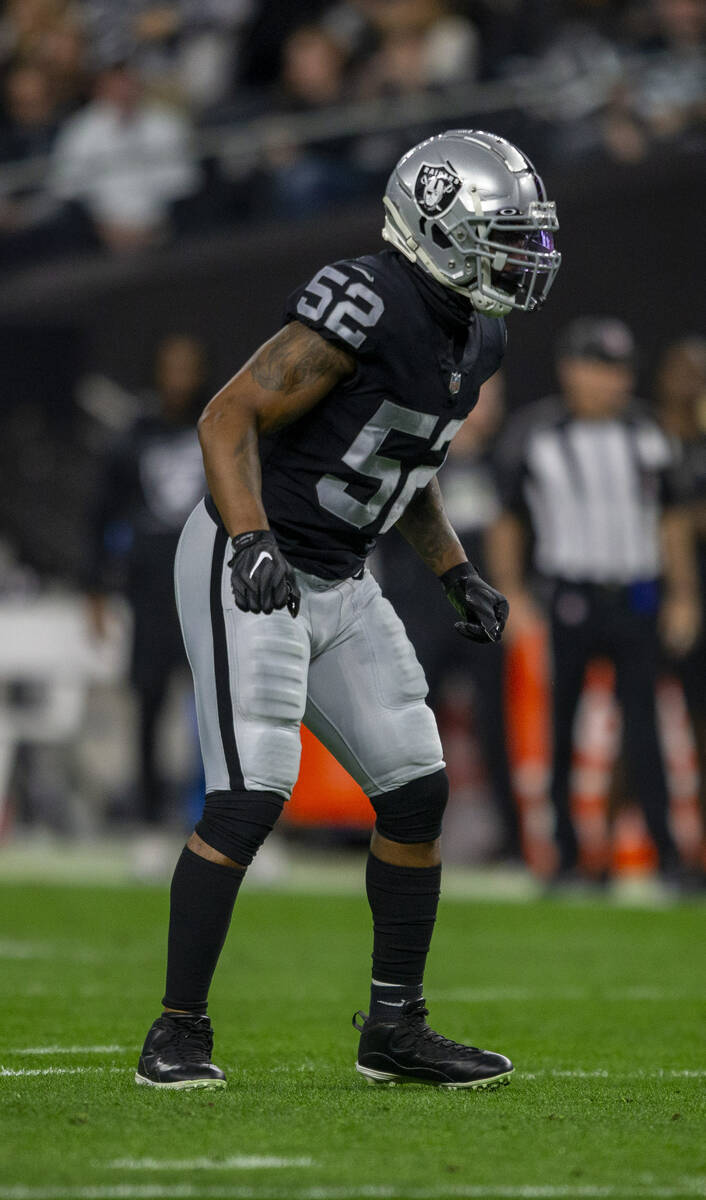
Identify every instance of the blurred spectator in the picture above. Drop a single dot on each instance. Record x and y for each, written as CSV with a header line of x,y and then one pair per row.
x,y
30,114
473,504
580,69
662,97
32,222
681,405
421,44
126,160
63,55
124,173
272,23
24,25
184,49
152,481
313,70
670,94
305,179
588,471
48,34
405,46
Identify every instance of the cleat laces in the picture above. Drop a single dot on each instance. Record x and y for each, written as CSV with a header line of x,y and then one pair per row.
x,y
414,1029
193,1043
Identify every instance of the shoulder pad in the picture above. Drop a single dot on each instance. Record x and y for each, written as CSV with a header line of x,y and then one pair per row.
x,y
342,302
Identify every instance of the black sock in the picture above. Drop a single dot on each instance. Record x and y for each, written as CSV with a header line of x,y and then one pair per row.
x,y
387,999
403,901
202,898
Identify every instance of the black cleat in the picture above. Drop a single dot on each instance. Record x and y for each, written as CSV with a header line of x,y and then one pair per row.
x,y
408,1051
177,1054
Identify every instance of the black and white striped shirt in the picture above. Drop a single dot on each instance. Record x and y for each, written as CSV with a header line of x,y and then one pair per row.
x,y
593,490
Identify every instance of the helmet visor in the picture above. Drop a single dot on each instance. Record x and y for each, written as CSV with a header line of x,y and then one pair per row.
x,y
523,262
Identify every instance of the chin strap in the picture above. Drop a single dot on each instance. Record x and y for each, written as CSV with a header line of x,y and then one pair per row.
x,y
484,304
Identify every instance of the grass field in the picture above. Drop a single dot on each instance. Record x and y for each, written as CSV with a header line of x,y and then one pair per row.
x,y
600,1007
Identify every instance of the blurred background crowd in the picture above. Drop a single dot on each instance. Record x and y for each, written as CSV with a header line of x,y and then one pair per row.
x,y
168,172
124,125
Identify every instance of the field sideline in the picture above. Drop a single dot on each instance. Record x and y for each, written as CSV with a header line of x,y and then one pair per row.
x,y
601,1007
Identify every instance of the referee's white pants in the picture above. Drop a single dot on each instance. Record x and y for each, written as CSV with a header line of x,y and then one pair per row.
x,y
344,666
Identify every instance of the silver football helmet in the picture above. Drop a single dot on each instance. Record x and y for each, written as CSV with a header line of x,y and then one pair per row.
x,y
471,210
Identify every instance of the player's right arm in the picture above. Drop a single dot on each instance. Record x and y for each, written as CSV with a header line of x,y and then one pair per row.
x,y
286,377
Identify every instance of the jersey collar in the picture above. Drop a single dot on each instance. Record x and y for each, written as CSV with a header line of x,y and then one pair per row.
x,y
454,313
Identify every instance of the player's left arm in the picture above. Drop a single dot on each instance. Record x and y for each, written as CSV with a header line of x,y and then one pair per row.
x,y
425,525
428,530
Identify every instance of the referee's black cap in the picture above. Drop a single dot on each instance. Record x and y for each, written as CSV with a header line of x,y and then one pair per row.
x,y
603,339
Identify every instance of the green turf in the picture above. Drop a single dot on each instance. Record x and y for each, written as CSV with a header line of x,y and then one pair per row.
x,y
612,993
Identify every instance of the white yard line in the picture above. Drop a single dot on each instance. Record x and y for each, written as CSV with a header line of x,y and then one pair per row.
x,y
236,1162
79,991
181,1191
72,1049
16,949
620,995
602,1073
25,1071
9,948
542,1073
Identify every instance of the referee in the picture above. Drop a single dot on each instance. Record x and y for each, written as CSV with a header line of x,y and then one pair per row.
x,y
588,471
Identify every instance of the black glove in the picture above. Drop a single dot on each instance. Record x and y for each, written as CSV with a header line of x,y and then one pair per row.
x,y
484,610
260,576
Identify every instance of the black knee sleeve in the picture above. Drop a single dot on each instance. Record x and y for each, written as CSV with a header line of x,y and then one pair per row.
x,y
237,823
413,812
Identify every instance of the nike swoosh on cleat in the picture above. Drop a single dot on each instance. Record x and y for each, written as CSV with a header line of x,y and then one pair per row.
x,y
393,1003
262,555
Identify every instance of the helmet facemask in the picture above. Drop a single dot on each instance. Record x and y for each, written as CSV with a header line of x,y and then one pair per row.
x,y
472,239
513,261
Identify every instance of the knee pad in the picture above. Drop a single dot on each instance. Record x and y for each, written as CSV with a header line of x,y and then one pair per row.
x,y
413,812
237,823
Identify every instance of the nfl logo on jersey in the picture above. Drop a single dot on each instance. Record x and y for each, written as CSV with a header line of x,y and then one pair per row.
x,y
455,382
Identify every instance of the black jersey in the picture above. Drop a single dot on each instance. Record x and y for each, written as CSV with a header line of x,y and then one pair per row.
x,y
345,472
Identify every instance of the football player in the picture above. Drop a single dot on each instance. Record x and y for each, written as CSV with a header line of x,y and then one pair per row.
x,y
378,363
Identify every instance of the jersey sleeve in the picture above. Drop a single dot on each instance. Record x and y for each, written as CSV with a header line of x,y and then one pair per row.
x,y
344,304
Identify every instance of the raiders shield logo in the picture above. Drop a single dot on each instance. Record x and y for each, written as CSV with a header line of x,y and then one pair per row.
x,y
435,189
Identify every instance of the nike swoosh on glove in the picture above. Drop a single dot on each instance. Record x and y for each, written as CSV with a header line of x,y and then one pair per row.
x,y
260,576
484,610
